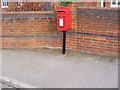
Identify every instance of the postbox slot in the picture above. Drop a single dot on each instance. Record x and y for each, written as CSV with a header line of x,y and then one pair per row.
x,y
60,11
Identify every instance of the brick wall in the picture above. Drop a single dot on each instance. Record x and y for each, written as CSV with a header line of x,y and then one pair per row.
x,y
30,29
92,29
91,4
71,38
98,30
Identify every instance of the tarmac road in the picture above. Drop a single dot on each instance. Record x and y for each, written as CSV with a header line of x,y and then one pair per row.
x,y
46,68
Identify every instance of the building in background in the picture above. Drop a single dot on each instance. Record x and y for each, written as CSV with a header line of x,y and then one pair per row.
x,y
21,5
102,3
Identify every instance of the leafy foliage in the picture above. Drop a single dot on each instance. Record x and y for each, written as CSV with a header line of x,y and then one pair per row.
x,y
65,2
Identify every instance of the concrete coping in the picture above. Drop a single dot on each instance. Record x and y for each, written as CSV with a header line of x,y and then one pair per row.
x,y
28,12
98,8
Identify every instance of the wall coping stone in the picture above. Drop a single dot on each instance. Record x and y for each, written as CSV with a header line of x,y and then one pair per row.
x,y
98,8
28,13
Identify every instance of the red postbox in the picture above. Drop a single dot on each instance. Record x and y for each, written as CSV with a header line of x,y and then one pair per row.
x,y
63,18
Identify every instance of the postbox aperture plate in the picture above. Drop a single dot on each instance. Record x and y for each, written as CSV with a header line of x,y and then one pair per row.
x,y
61,22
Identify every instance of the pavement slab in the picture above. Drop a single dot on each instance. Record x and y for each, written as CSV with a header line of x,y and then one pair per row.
x,y
47,68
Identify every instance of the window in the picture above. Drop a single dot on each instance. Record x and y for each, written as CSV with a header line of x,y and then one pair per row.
x,y
20,2
4,3
115,3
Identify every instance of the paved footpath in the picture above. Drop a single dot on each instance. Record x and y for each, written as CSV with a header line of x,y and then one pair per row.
x,y
46,68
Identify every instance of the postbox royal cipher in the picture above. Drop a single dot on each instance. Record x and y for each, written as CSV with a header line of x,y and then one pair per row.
x,y
63,18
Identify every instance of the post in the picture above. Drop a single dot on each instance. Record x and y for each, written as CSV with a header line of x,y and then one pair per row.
x,y
64,42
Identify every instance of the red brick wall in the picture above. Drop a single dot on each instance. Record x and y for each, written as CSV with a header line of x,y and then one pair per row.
x,y
30,29
90,4
71,39
92,29
98,30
